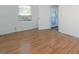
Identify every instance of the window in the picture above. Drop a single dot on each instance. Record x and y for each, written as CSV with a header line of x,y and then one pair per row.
x,y
25,10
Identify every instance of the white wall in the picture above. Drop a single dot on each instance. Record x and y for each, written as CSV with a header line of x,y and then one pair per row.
x,y
35,15
8,17
44,15
26,25
69,19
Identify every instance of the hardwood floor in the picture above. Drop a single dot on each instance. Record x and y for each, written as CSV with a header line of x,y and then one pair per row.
x,y
38,42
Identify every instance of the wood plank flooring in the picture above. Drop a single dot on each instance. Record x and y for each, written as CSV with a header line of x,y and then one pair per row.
x,y
39,42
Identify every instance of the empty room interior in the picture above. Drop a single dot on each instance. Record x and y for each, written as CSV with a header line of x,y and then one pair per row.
x,y
39,29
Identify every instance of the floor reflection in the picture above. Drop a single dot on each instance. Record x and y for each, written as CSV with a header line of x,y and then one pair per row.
x,y
38,42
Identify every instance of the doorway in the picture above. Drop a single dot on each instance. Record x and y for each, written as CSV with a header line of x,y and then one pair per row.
x,y
54,20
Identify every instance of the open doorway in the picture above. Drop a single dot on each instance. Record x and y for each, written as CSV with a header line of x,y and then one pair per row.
x,y
54,20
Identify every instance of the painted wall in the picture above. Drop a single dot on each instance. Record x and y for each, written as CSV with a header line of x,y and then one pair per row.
x,y
69,19
44,15
8,17
35,15
26,25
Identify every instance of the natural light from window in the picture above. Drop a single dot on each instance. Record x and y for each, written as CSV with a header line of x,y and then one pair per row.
x,y
25,10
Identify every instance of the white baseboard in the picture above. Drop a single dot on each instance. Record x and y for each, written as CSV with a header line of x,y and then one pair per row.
x,y
74,35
